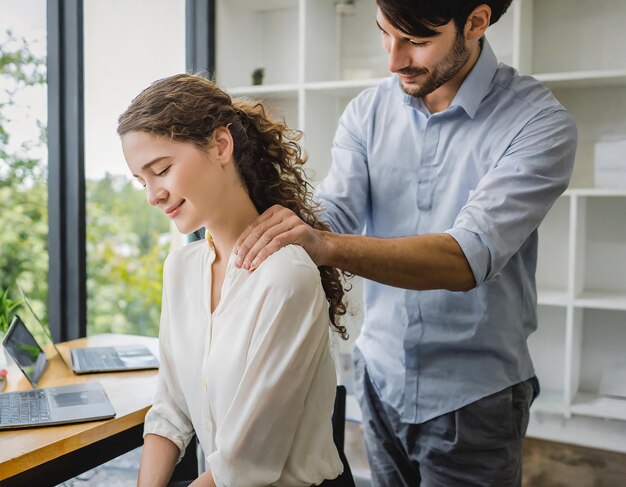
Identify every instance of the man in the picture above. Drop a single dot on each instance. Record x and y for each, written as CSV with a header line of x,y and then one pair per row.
x,y
440,177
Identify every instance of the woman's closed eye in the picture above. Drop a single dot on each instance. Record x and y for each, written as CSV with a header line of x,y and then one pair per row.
x,y
164,171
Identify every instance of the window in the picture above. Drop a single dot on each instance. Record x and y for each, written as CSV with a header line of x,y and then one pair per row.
x,y
127,46
23,153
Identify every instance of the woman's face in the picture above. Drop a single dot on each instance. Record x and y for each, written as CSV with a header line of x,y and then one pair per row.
x,y
181,180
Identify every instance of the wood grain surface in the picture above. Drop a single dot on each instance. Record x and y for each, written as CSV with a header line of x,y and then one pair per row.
x,y
130,393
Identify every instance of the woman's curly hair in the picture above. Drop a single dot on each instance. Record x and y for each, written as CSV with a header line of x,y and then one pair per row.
x,y
188,108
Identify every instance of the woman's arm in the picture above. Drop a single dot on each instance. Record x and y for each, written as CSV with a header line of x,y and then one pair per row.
x,y
158,460
167,427
205,480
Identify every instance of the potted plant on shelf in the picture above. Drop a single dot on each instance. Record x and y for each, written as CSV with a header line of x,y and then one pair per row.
x,y
257,76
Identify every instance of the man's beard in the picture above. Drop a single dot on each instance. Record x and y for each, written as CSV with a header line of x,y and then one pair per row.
x,y
455,59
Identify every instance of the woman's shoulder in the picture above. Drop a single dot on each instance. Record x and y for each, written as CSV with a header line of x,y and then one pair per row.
x,y
289,268
290,257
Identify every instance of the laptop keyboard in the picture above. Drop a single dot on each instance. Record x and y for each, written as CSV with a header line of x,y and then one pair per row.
x,y
24,407
93,361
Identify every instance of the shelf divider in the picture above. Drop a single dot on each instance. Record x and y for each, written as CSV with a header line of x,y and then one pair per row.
x,y
595,405
596,192
583,79
597,299
279,90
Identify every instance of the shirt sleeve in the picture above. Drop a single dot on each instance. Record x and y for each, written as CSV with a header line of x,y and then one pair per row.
x,y
254,439
512,199
344,192
168,416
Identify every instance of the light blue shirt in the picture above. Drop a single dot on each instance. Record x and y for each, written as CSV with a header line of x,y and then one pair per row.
x,y
485,171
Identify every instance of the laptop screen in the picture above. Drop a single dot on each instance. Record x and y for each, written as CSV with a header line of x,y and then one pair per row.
x,y
26,352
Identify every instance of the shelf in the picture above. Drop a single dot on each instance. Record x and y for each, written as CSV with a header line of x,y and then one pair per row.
x,y
601,300
251,34
263,6
583,79
549,401
266,91
589,404
267,5
552,297
345,87
596,192
340,88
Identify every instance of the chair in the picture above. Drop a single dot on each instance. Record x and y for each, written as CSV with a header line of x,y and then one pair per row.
x,y
339,432
339,417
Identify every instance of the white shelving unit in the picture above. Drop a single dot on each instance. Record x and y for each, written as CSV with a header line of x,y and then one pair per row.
x,y
317,59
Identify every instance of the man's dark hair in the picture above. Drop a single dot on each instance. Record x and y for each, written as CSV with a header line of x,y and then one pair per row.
x,y
418,17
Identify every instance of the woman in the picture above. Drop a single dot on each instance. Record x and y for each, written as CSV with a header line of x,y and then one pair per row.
x,y
245,360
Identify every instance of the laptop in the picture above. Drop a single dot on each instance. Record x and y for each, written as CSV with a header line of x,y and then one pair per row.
x,y
48,405
89,360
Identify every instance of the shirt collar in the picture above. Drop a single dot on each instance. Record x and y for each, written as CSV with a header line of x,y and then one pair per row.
x,y
477,84
475,87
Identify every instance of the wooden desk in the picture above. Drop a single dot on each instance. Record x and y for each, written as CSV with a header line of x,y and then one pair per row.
x,y
50,455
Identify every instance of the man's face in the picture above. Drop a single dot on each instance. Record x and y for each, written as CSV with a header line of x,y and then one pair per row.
x,y
423,64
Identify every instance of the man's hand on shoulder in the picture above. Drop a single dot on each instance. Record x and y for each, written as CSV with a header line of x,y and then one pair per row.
x,y
276,228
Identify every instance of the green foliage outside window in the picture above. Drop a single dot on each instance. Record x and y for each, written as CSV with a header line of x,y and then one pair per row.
x,y
127,241
126,246
23,190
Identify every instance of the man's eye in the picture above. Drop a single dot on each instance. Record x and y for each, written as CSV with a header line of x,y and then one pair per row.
x,y
418,43
164,171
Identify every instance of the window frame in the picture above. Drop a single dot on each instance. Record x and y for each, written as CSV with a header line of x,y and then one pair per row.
x,y
67,290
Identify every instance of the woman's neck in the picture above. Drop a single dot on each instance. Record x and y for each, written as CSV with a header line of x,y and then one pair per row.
x,y
233,220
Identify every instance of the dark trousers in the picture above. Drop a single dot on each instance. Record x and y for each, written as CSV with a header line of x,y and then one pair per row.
x,y
477,445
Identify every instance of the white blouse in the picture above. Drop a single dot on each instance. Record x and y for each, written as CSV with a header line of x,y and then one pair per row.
x,y
255,379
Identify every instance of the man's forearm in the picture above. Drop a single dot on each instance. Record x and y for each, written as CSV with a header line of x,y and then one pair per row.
x,y
422,262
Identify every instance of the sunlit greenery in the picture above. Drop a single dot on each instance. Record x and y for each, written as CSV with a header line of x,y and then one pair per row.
x,y
23,190
126,247
126,239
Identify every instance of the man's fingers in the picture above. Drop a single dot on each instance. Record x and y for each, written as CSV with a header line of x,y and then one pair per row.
x,y
266,215
276,244
256,231
273,235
